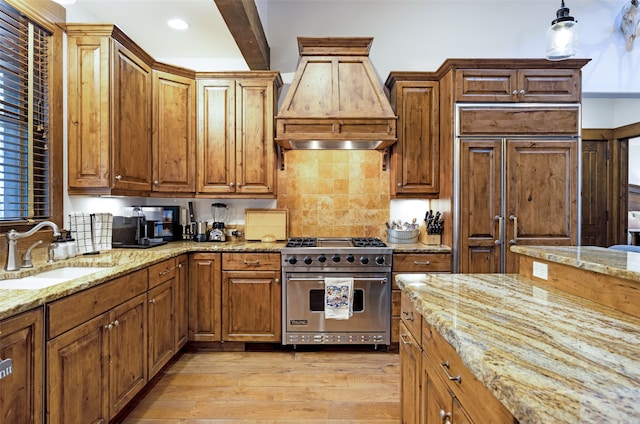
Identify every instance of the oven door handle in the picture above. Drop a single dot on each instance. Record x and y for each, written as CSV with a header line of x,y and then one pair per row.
x,y
382,280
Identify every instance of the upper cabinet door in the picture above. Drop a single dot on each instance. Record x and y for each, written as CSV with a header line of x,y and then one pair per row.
x,y
255,155
89,113
522,85
416,155
109,112
216,136
131,122
173,141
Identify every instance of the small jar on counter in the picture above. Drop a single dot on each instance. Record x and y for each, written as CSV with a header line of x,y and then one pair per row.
x,y
59,248
70,244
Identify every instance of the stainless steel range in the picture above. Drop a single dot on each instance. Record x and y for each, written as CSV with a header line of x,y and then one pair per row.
x,y
307,265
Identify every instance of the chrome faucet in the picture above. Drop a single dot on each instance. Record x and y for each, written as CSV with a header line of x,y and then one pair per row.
x,y
12,243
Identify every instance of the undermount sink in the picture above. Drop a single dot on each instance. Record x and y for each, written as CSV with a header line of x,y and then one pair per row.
x,y
49,278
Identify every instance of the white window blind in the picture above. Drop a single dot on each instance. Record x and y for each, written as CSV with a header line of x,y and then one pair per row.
x,y
24,117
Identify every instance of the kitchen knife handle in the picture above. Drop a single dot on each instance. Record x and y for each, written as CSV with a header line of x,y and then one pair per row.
x,y
514,240
499,219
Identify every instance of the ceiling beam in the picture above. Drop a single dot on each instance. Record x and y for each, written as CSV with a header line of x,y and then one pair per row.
x,y
244,23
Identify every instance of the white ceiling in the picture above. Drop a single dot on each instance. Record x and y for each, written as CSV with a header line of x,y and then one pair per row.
x,y
207,44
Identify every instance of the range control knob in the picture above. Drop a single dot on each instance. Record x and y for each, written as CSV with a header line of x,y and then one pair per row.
x,y
336,258
322,259
292,260
350,258
379,260
364,260
308,260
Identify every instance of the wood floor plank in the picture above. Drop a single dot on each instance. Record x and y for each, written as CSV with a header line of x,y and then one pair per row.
x,y
274,387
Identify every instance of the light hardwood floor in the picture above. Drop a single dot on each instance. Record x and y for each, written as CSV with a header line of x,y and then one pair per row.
x,y
303,387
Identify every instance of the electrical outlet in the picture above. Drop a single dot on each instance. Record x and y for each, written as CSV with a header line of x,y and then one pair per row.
x,y
540,270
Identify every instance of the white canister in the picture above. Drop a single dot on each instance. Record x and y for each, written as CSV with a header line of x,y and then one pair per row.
x,y
70,244
59,249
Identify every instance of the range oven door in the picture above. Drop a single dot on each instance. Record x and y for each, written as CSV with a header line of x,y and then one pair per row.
x,y
304,303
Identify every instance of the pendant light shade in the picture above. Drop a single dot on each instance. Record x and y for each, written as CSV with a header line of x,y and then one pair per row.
x,y
562,35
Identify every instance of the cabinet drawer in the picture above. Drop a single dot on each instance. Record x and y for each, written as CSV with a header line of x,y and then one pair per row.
x,y
162,272
411,318
422,262
250,261
75,309
478,401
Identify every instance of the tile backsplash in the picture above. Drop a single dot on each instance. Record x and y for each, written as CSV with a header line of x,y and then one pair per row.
x,y
331,193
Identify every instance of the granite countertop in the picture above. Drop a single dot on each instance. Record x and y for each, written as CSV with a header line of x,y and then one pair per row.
x,y
610,262
546,355
123,261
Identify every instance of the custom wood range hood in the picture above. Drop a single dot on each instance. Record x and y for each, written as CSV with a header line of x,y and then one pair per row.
x,y
335,100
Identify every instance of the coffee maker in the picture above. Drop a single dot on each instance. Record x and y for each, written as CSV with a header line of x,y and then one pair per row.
x,y
220,214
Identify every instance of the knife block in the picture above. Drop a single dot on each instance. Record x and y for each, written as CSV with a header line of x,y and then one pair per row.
x,y
429,239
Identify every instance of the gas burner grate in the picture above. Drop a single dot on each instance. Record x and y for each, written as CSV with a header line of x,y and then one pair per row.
x,y
368,242
302,242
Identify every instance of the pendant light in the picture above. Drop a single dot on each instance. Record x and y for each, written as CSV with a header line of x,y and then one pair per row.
x,y
562,35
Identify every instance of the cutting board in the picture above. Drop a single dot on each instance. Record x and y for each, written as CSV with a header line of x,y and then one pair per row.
x,y
261,222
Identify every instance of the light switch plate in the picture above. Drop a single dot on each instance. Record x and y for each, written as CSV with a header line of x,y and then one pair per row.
x,y
540,270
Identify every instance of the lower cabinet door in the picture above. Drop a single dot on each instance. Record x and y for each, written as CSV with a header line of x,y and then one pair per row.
x,y
21,341
409,377
128,350
251,309
78,373
161,326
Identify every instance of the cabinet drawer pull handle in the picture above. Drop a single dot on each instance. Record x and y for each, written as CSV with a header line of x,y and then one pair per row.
x,y
108,326
246,262
515,92
165,272
277,281
408,315
116,323
152,301
422,263
118,177
445,368
403,338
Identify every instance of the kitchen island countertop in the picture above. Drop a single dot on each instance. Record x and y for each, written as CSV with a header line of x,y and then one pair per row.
x,y
547,355
614,263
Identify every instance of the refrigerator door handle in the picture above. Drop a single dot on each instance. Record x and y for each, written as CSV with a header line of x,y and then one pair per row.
x,y
514,240
500,220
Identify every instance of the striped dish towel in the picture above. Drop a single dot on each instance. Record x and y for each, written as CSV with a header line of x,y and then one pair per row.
x,y
92,231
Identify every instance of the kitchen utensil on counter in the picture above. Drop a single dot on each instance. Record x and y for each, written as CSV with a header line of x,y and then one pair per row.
x,y
220,214
201,231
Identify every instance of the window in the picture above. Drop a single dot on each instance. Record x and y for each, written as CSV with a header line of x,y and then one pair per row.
x,y
24,117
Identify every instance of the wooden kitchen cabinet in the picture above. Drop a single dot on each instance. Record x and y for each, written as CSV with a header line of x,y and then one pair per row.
x,y
109,107
161,315
438,403
251,297
407,263
538,203
236,153
518,85
21,340
181,304
415,158
97,350
435,385
410,371
204,297
174,130
450,387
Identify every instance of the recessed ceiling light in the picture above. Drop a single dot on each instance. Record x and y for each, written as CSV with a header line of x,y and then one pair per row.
x,y
177,23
